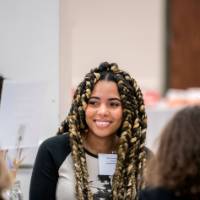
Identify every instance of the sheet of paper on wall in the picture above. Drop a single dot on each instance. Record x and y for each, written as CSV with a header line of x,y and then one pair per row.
x,y
23,113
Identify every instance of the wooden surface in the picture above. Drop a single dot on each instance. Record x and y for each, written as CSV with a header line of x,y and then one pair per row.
x,y
184,43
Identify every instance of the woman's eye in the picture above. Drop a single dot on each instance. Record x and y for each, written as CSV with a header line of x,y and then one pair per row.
x,y
93,103
114,104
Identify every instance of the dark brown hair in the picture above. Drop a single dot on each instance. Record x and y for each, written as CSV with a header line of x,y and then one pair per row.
x,y
131,153
176,165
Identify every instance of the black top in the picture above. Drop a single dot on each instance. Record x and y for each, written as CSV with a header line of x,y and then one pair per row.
x,y
53,174
50,156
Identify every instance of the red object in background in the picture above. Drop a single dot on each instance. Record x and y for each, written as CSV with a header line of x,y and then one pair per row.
x,y
151,97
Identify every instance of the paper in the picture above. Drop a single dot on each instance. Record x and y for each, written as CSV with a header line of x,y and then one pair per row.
x,y
107,164
23,113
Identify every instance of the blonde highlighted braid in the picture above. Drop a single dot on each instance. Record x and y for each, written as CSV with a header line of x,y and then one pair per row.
x,y
132,133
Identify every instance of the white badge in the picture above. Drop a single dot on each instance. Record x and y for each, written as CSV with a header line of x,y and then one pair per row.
x,y
107,163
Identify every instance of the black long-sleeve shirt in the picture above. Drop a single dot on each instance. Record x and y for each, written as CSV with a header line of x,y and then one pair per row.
x,y
50,156
53,174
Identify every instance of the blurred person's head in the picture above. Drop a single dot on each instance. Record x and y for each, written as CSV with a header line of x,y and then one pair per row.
x,y
5,177
176,166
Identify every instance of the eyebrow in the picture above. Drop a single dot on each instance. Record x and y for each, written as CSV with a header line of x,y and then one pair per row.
x,y
110,99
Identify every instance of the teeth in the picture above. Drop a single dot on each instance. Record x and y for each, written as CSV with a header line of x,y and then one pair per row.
x,y
102,124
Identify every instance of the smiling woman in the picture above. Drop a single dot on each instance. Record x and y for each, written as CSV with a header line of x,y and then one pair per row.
x,y
103,116
99,151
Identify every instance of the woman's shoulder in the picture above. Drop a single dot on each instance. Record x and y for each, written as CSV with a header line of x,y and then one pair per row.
x,y
56,140
156,194
57,147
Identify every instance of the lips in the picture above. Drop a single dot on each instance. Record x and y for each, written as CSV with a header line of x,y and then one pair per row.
x,y
102,123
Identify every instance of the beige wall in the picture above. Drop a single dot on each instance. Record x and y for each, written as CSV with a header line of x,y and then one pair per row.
x,y
129,32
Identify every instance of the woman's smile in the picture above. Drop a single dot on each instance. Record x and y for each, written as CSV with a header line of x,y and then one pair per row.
x,y
102,123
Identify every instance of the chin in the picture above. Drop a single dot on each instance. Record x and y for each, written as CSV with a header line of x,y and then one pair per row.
x,y
103,134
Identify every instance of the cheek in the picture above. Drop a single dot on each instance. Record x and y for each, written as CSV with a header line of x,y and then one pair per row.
x,y
88,113
118,115
88,117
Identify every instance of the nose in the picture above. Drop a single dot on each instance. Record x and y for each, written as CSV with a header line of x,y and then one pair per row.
x,y
103,110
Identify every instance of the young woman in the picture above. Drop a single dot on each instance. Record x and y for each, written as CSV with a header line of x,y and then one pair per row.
x,y
107,119
173,173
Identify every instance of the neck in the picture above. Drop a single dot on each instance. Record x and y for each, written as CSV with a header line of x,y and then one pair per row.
x,y
97,145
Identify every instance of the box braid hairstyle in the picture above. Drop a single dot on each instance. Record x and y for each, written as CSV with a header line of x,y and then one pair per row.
x,y
132,133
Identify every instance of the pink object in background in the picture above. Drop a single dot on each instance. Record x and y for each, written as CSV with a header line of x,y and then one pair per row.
x,y
151,97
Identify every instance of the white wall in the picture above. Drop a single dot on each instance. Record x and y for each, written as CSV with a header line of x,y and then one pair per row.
x,y
129,32
29,47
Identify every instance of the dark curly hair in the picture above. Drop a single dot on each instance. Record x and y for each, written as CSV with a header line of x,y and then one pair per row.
x,y
176,166
132,133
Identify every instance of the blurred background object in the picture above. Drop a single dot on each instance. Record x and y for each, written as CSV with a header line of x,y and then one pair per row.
x,y
183,44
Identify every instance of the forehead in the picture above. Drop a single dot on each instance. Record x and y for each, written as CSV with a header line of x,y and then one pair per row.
x,y
106,89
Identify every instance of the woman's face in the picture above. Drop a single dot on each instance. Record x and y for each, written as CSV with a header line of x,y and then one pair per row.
x,y
104,110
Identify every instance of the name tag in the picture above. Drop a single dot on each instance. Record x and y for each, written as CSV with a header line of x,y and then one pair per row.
x,y
107,163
